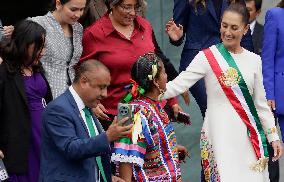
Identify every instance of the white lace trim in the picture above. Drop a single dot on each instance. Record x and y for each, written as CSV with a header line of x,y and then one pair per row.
x,y
127,159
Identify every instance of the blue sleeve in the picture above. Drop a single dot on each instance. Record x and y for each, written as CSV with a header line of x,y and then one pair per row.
x,y
60,128
268,53
180,15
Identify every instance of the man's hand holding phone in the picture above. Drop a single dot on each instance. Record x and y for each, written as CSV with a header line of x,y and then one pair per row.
x,y
118,129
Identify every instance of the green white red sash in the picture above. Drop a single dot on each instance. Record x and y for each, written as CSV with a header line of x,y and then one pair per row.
x,y
236,90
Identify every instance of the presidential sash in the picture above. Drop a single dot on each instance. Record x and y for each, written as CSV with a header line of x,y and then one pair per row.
x,y
237,92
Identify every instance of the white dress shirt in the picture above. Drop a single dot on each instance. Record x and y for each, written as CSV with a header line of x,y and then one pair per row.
x,y
252,25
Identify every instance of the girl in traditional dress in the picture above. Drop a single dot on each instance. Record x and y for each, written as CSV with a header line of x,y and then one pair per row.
x,y
238,119
151,152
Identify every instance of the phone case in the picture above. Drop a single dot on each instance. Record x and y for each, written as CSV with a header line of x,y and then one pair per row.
x,y
125,110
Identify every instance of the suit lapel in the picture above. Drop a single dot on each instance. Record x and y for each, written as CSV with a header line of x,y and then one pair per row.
x,y
20,85
76,110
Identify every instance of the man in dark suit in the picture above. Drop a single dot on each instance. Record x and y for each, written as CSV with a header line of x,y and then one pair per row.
x,y
74,145
254,8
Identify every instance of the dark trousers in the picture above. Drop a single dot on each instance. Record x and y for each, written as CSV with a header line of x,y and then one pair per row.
x,y
281,124
273,167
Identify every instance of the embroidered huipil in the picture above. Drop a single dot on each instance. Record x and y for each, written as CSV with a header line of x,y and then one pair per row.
x,y
154,154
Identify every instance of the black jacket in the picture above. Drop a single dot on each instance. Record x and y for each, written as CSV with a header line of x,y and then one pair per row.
x,y
257,38
15,126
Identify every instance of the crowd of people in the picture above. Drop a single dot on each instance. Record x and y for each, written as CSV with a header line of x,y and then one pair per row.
x,y
64,74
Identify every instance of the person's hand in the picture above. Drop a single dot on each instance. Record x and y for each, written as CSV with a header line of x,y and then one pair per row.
x,y
1,155
116,179
100,112
7,31
277,148
186,97
271,104
182,153
116,130
175,32
176,109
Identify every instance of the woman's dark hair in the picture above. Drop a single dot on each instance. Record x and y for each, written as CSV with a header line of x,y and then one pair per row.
x,y
142,68
14,51
281,4
52,5
239,9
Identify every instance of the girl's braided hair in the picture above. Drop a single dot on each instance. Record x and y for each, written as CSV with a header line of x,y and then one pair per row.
x,y
143,68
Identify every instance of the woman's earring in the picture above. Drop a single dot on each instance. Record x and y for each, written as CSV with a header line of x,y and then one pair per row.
x,y
162,93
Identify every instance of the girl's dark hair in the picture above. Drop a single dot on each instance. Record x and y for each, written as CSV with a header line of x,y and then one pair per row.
x,y
52,5
143,67
241,10
281,4
14,51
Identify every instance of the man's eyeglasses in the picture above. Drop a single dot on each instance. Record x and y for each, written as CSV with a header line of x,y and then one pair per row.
x,y
128,9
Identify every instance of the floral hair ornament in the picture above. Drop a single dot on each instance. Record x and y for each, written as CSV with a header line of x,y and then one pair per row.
x,y
135,89
154,71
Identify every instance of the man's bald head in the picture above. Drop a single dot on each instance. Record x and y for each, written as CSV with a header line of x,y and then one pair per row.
x,y
88,66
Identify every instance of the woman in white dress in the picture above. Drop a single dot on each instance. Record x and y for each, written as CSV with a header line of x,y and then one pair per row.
x,y
238,119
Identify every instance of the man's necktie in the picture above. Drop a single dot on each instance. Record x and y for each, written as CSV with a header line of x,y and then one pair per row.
x,y
93,133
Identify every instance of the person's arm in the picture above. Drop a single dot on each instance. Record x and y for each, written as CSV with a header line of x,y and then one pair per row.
x,y
60,128
265,115
169,67
180,17
196,70
264,112
125,171
268,54
89,44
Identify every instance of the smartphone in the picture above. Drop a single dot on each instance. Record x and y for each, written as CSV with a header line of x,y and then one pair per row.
x,y
183,118
3,171
125,110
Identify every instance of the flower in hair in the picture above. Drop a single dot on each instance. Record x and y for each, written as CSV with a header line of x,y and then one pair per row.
x,y
154,72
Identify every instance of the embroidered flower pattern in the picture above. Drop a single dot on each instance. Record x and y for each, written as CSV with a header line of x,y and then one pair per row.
x,y
208,160
230,77
272,130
